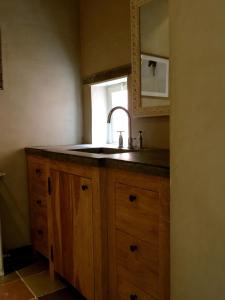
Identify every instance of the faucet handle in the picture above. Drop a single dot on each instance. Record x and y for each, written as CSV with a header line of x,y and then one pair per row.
x,y
120,138
140,140
130,143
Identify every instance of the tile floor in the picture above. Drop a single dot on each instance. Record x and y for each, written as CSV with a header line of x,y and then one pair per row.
x,y
32,282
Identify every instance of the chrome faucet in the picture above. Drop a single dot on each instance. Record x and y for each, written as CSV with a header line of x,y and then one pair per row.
x,y
130,140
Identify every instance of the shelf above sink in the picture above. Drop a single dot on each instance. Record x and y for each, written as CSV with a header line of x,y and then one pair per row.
x,y
103,150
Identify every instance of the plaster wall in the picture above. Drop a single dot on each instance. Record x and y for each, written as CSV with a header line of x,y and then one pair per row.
x,y
198,150
40,103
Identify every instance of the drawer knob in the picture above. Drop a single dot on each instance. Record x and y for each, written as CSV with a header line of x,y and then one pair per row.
x,y
133,248
132,198
38,202
133,297
84,187
40,232
38,172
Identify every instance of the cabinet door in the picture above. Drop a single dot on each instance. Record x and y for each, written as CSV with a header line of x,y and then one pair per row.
x,y
72,230
83,240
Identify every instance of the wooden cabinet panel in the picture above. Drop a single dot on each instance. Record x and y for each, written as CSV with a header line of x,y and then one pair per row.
x,y
72,230
38,195
137,262
38,174
137,211
39,202
83,240
142,278
39,232
128,291
62,206
137,254
138,234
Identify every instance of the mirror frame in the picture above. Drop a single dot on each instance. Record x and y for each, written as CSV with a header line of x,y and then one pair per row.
x,y
138,109
1,79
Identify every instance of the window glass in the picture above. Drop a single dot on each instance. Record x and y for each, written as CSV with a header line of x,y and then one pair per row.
x,y
105,96
117,95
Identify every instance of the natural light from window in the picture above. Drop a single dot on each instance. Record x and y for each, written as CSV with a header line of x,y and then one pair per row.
x,y
106,96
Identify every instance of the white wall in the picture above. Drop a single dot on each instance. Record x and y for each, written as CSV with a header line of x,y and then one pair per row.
x,y
40,104
99,115
198,150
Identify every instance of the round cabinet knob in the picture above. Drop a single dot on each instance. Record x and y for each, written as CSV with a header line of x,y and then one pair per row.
x,y
133,297
38,202
38,172
84,187
132,198
40,232
133,248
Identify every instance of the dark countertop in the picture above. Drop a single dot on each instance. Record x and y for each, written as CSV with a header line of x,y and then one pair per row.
x,y
151,161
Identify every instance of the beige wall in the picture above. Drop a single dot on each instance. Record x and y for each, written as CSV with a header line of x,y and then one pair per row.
x,y
105,44
198,150
105,38
40,104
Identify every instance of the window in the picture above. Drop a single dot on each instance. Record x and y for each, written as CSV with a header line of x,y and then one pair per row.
x,y
105,96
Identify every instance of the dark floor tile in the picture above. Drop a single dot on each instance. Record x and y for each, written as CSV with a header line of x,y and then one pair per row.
x,y
41,284
21,251
65,294
8,265
35,268
22,257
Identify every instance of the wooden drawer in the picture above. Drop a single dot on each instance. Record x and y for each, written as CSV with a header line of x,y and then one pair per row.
x,y
127,291
132,251
137,212
40,232
137,262
39,203
38,177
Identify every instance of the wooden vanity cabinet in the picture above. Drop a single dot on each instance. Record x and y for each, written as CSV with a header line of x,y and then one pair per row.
x,y
105,230
138,236
68,197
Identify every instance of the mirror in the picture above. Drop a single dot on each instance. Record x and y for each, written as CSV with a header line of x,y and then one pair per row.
x,y
150,57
